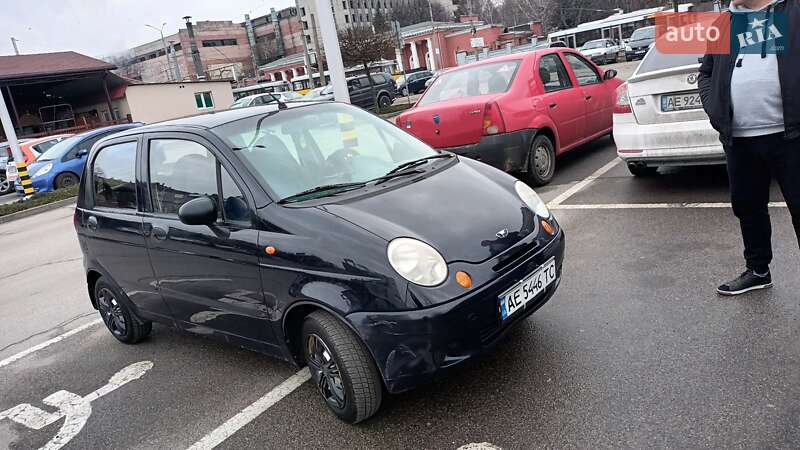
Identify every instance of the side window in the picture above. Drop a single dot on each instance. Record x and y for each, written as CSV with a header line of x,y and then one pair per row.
x,y
180,171
84,145
584,71
553,73
234,206
113,175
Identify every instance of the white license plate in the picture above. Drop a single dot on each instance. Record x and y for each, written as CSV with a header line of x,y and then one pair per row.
x,y
11,173
526,290
681,102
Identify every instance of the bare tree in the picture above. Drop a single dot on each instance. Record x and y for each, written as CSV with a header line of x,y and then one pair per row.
x,y
409,12
362,46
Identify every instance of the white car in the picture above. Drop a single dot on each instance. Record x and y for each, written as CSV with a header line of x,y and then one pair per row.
x,y
264,99
659,118
601,51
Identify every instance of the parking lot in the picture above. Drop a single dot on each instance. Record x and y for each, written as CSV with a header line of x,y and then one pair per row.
x,y
635,350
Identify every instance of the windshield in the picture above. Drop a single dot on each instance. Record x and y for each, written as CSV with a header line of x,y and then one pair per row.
x,y
594,44
60,149
656,60
643,33
484,79
299,149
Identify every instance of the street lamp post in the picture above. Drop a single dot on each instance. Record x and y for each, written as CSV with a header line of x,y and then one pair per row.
x,y
170,73
333,55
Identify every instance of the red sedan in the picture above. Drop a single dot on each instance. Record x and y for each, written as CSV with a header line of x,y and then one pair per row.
x,y
517,112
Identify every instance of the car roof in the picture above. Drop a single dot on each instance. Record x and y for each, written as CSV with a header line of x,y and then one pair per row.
x,y
213,119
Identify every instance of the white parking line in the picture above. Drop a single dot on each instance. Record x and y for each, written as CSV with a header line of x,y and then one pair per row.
x,y
248,414
49,342
583,183
655,206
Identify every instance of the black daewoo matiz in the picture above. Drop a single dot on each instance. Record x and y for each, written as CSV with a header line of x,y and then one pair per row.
x,y
317,233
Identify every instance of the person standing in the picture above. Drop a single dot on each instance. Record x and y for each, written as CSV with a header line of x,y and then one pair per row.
x,y
752,97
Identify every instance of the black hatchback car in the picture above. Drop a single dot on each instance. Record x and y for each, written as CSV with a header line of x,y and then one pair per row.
x,y
319,234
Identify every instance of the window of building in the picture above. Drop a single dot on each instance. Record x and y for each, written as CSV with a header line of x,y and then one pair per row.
x,y
219,42
305,25
114,176
308,39
344,4
176,47
351,4
346,18
203,100
302,11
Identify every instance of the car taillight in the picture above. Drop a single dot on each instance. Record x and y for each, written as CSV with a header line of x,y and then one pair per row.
x,y
622,105
493,120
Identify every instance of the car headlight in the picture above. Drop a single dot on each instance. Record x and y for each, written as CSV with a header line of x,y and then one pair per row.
x,y
628,48
417,262
43,170
531,198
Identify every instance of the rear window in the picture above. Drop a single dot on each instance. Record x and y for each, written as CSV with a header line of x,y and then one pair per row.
x,y
484,79
655,61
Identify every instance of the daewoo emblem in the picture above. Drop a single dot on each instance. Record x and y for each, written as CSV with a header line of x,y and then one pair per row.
x,y
502,233
692,78
436,119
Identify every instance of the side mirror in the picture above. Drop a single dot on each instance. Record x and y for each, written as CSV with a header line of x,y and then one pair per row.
x,y
82,153
198,211
610,74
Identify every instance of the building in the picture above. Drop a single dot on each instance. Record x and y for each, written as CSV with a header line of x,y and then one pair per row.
x,y
67,92
225,49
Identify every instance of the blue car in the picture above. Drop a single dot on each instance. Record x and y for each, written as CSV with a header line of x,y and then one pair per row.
x,y
62,165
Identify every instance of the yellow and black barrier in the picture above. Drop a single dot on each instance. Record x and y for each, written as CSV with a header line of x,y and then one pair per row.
x,y
24,178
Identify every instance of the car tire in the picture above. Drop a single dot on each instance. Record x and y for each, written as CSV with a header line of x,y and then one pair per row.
x,y
66,180
331,349
384,101
404,92
639,170
117,315
6,186
542,161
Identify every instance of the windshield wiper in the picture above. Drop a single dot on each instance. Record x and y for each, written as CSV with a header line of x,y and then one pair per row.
x,y
417,162
338,188
389,176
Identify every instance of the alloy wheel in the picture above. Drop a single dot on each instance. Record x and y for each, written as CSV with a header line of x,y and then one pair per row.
x,y
325,372
5,185
111,311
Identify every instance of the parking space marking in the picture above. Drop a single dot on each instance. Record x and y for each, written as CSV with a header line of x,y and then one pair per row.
x,y
583,183
250,413
74,409
656,206
49,342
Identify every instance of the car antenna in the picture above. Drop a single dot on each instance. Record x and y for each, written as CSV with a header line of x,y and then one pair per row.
x,y
281,104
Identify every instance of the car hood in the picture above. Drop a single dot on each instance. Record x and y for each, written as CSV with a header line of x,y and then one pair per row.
x,y
459,211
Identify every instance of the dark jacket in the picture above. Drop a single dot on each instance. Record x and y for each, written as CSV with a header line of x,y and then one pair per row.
x,y
717,70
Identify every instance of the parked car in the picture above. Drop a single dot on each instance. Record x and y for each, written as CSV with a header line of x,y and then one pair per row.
x,y
516,112
413,83
553,44
361,94
436,74
320,94
601,51
640,42
32,149
659,119
6,186
306,233
62,165
265,99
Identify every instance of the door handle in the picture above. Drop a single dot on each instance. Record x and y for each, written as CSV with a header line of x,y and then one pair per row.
x,y
91,223
159,233
553,105
588,97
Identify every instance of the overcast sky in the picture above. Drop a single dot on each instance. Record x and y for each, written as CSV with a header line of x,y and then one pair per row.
x,y
103,27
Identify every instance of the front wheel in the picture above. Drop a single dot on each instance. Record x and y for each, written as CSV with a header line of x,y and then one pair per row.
x,y
5,185
66,180
341,368
542,165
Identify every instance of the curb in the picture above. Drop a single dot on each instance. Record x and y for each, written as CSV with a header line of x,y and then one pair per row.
x,y
36,210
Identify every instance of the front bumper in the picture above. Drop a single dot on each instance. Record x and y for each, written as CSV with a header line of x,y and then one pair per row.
x,y
40,184
506,151
413,347
637,53
667,144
